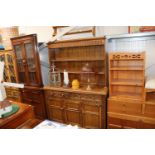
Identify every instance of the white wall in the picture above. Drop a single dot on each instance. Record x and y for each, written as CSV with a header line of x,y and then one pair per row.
x,y
45,32
111,30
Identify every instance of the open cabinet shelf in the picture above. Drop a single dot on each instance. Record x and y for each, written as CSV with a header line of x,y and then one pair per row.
x,y
74,58
126,74
129,82
88,59
127,68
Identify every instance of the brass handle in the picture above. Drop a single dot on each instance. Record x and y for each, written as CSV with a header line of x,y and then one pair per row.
x,y
24,61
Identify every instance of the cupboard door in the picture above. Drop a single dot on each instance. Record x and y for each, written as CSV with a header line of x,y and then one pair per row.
x,y
11,68
5,74
21,63
31,65
91,115
55,109
72,112
73,117
36,99
56,114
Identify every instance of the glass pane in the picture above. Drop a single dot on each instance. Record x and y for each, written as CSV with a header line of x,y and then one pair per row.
x,y
11,68
21,77
5,77
18,51
30,63
30,57
9,58
2,58
20,64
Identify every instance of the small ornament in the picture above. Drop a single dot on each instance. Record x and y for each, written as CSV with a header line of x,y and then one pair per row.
x,y
87,76
66,79
54,76
75,84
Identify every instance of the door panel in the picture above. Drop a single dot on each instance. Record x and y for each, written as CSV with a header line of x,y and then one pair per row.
x,y
31,65
20,63
56,114
91,121
73,117
91,113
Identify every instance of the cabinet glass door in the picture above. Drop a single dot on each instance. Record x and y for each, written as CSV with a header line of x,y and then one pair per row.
x,y
31,66
20,64
5,75
11,69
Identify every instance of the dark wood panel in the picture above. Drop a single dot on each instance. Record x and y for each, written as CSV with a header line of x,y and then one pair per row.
x,y
35,98
73,117
56,114
91,120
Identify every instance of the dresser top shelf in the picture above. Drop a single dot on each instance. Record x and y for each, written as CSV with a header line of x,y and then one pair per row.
x,y
97,91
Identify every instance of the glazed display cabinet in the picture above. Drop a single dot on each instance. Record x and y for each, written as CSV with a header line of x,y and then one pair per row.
x,y
29,72
10,74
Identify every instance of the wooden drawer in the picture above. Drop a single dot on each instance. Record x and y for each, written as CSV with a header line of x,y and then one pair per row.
x,y
117,123
149,110
13,94
56,94
114,123
72,104
131,108
130,124
90,97
56,102
26,94
74,96
92,107
36,95
146,125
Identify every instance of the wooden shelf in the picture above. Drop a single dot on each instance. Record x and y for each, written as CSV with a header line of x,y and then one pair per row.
x,y
127,95
97,91
126,74
127,68
63,60
79,72
127,82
